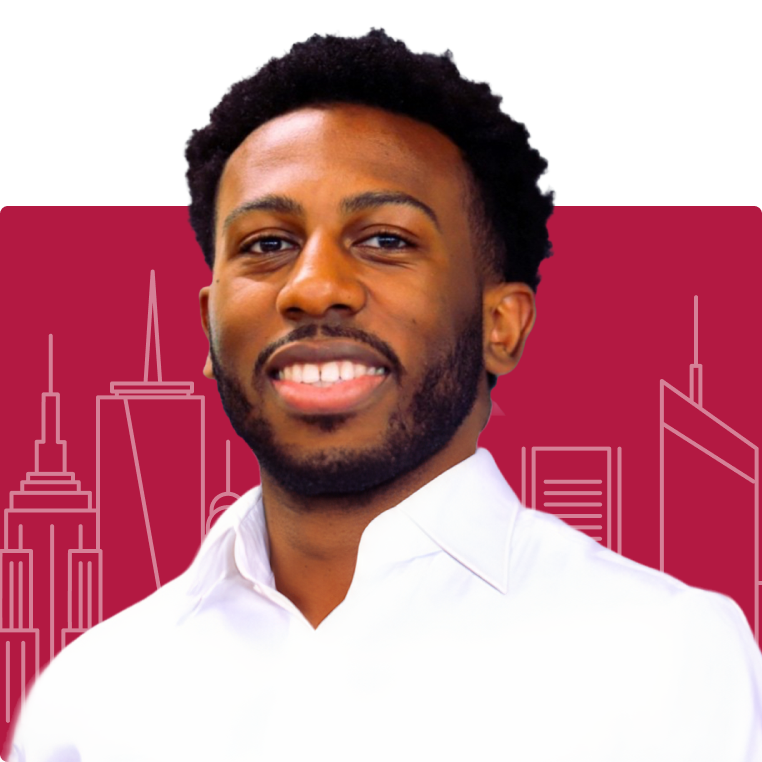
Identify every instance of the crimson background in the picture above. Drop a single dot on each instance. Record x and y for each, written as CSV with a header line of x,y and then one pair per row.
x,y
615,315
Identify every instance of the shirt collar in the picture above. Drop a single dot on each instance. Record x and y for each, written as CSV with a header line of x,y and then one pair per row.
x,y
468,511
219,555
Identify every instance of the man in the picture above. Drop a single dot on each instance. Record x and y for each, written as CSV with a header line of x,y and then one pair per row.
x,y
374,230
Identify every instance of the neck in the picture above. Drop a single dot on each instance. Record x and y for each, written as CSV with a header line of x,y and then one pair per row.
x,y
314,540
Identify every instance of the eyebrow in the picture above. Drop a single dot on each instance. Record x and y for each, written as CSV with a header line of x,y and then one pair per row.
x,y
373,199
367,200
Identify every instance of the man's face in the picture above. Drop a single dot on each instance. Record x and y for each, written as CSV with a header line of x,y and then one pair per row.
x,y
345,315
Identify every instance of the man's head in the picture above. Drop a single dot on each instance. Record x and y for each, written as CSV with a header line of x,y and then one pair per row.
x,y
367,211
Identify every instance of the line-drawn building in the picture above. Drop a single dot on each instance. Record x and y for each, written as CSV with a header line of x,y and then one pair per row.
x,y
149,477
50,563
576,484
708,496
221,502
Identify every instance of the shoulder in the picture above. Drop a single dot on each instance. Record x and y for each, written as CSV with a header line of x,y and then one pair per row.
x,y
128,649
120,651
643,647
562,573
547,554
149,620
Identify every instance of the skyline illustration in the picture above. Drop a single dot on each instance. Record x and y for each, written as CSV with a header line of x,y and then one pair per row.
x,y
109,501
691,529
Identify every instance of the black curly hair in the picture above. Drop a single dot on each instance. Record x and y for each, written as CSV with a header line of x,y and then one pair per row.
x,y
508,212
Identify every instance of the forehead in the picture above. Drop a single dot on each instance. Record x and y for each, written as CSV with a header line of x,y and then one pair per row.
x,y
345,143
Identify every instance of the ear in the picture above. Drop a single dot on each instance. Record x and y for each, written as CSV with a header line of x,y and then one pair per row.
x,y
203,298
509,313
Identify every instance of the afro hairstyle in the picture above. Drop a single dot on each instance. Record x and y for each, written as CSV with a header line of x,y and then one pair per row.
x,y
508,211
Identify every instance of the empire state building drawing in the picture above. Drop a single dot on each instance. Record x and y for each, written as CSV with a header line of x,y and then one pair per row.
x,y
50,565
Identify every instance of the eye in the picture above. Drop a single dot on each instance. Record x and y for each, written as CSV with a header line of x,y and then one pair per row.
x,y
267,244
389,241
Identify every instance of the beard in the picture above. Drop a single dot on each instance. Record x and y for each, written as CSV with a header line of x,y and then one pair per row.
x,y
443,398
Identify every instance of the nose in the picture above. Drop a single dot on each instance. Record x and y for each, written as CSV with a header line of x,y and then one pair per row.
x,y
324,278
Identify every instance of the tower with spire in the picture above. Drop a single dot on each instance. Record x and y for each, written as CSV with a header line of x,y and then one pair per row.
x,y
149,476
50,565
708,495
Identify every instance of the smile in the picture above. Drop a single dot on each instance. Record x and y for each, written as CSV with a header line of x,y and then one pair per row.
x,y
329,388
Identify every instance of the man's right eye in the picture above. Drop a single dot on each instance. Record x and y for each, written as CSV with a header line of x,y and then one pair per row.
x,y
267,244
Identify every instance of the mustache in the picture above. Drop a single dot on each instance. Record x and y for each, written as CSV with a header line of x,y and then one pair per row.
x,y
314,330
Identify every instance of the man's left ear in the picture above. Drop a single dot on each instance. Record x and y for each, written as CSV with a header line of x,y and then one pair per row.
x,y
509,313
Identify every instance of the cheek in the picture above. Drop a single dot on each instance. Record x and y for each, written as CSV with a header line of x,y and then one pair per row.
x,y
447,307
238,316
428,327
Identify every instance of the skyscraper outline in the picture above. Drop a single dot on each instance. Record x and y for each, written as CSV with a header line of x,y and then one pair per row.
x,y
696,400
570,448
55,452
159,389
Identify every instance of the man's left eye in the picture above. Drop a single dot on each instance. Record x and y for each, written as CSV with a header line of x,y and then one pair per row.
x,y
386,241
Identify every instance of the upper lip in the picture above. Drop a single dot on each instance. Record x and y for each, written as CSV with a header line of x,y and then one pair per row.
x,y
318,352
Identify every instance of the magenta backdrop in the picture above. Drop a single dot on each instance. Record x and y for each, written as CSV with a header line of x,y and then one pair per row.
x,y
615,316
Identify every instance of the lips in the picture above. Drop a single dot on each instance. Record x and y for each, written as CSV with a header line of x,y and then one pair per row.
x,y
305,377
340,397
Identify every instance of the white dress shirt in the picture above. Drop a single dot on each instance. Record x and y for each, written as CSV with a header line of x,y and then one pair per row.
x,y
474,630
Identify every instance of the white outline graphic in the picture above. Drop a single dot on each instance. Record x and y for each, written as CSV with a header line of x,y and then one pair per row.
x,y
214,509
131,395
579,493
48,518
695,400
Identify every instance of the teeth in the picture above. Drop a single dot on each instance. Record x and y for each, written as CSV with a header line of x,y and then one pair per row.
x,y
327,373
346,370
310,374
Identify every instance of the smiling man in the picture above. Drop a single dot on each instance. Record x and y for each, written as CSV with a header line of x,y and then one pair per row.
x,y
346,327
374,229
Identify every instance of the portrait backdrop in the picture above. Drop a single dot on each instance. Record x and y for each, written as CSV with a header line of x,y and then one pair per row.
x,y
634,414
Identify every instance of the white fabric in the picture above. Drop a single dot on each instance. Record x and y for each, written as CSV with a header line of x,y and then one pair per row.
x,y
474,630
